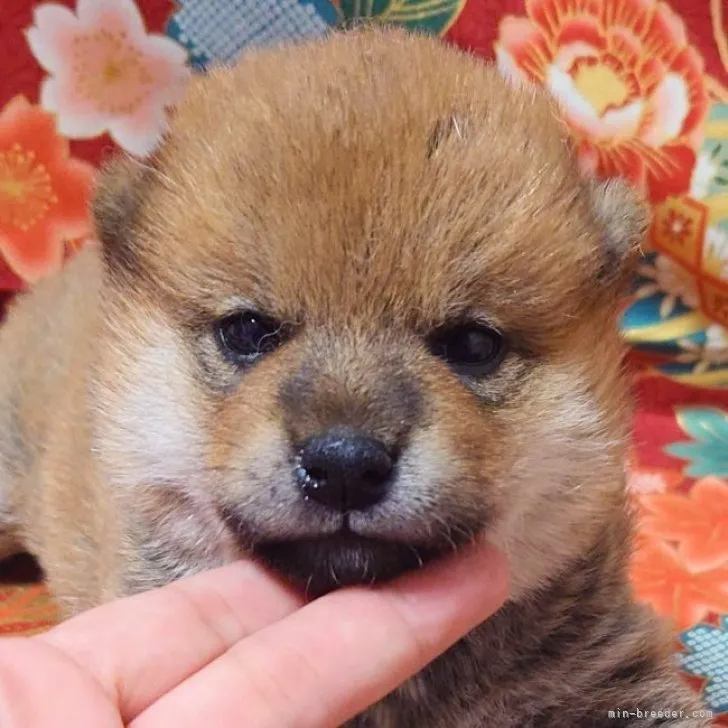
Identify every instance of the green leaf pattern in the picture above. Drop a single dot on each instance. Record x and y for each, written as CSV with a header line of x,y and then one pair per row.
x,y
435,16
708,452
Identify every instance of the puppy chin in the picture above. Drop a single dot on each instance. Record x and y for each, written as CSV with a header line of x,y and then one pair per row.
x,y
321,565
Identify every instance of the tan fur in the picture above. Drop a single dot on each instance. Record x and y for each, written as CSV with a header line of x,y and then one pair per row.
x,y
363,190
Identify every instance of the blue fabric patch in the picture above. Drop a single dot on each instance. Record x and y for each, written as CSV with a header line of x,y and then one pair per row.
x,y
708,657
216,31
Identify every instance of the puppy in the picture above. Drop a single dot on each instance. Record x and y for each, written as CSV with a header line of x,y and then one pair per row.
x,y
358,309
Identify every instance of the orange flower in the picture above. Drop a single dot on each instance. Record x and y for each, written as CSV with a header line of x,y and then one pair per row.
x,y
630,86
44,193
663,580
696,521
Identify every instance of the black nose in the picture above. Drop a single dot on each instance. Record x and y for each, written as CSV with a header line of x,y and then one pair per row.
x,y
344,470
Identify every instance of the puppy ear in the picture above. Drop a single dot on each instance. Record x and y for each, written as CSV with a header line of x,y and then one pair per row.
x,y
623,218
115,211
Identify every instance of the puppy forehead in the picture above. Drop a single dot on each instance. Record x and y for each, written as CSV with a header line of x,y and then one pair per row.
x,y
405,175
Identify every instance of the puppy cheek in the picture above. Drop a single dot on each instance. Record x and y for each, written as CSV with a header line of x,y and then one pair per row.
x,y
147,420
447,477
441,492
567,473
174,535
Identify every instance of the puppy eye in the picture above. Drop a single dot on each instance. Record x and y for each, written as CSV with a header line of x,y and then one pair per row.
x,y
248,335
470,349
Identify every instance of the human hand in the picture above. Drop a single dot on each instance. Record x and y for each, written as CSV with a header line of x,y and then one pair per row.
x,y
233,647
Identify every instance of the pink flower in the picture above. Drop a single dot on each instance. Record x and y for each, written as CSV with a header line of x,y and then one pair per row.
x,y
106,73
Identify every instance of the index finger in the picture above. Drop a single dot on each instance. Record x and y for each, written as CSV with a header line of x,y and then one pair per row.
x,y
325,663
140,647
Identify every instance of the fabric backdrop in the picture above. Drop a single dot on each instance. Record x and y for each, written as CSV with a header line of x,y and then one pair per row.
x,y
643,85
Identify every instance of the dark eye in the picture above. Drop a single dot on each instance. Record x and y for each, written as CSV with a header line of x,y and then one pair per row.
x,y
470,349
247,335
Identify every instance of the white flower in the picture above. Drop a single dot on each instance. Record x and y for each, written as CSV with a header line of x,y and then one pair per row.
x,y
106,73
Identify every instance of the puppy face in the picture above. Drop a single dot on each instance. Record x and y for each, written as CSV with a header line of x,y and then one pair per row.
x,y
360,309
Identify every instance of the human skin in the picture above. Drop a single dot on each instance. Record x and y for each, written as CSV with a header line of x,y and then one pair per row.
x,y
234,646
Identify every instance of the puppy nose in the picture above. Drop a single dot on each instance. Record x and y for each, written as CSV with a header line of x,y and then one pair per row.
x,y
344,470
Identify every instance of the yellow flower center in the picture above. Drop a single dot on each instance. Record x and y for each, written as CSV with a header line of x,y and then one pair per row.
x,y
110,71
601,86
26,192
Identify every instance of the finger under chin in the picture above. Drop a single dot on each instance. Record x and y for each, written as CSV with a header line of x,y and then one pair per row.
x,y
41,686
325,663
141,647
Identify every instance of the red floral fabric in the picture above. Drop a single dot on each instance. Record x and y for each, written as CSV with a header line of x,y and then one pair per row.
x,y
643,86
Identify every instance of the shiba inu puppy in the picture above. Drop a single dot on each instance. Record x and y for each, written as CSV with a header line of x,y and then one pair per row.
x,y
358,308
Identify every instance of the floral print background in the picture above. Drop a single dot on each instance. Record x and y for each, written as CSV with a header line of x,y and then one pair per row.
x,y
643,85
